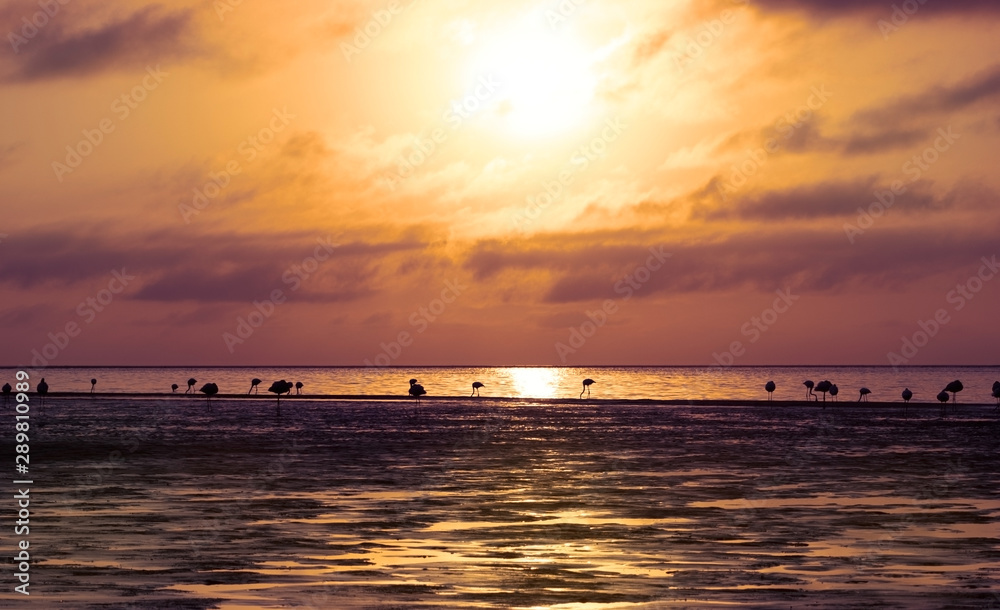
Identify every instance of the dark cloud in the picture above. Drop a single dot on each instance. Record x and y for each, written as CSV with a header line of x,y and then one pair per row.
x,y
938,99
216,268
809,260
151,35
834,7
824,200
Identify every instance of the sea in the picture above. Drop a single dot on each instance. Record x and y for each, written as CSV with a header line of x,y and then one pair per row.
x,y
521,382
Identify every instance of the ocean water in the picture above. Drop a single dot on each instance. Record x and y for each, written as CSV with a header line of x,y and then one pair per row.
x,y
612,383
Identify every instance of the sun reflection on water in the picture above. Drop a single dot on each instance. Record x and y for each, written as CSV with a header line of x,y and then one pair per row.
x,y
536,382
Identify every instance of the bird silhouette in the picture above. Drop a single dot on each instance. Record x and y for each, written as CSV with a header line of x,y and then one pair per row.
x,y
586,386
416,390
770,387
809,389
253,385
824,387
298,387
191,383
864,394
834,390
209,390
954,387
475,388
996,391
43,389
907,395
7,390
943,399
93,384
173,387
279,388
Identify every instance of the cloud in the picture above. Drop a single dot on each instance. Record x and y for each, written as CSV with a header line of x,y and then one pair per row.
x,y
205,268
808,259
834,7
150,35
938,99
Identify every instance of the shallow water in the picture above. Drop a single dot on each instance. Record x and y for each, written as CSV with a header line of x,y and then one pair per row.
x,y
346,504
616,383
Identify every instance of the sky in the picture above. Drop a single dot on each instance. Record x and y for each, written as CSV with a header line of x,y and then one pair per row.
x,y
434,182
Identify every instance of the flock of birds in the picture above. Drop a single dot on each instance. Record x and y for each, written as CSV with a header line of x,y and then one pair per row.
x,y
826,386
416,390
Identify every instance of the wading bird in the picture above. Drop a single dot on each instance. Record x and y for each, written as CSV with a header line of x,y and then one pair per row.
x,y
93,384
809,389
943,399
586,386
173,387
191,383
416,390
7,390
279,388
864,394
298,387
834,390
824,387
954,387
996,391
475,388
43,389
253,385
770,387
907,395
209,390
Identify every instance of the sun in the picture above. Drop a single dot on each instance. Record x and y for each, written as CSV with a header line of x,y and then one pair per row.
x,y
546,77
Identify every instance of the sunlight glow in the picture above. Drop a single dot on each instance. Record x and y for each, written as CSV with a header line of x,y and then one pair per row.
x,y
546,77
536,382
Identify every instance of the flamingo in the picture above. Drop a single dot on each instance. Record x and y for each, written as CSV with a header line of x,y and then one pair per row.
x,y
834,390
191,383
43,389
770,387
209,390
954,387
996,391
864,394
907,395
7,390
93,384
298,387
824,387
416,390
173,387
943,399
809,388
586,386
279,388
253,386
475,388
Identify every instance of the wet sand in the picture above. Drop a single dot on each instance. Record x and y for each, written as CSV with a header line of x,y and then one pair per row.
x,y
143,502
